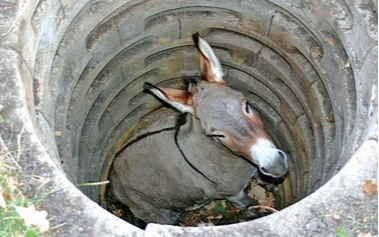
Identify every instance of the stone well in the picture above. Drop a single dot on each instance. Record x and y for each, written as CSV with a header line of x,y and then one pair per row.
x,y
71,76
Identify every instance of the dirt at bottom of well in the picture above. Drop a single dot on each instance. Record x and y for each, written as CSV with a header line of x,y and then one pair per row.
x,y
217,212
221,212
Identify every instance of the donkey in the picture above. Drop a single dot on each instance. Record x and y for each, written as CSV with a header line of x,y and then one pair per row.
x,y
213,155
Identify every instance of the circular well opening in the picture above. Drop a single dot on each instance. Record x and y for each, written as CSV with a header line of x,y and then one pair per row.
x,y
294,67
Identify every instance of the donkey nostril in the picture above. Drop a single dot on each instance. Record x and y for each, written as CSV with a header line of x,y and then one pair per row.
x,y
263,169
282,154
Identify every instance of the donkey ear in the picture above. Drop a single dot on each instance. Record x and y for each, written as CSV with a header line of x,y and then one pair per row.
x,y
209,64
179,99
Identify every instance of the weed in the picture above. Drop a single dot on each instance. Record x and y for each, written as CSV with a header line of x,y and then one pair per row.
x,y
340,233
1,106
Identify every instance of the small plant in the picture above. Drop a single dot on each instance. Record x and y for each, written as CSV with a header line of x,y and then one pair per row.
x,y
340,233
219,208
1,106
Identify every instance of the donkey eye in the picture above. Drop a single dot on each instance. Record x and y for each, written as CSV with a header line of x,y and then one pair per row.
x,y
248,109
219,136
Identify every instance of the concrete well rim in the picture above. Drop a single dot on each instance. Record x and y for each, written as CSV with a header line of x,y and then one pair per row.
x,y
23,112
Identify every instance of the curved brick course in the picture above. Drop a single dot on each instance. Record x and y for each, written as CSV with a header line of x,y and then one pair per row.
x,y
72,71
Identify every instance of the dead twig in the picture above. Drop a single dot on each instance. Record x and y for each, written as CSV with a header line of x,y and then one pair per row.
x,y
262,207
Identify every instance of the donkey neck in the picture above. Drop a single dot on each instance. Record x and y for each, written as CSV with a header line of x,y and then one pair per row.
x,y
192,136
212,159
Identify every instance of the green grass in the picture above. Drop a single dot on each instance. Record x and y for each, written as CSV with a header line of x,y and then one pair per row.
x,y
12,198
10,222
1,106
340,233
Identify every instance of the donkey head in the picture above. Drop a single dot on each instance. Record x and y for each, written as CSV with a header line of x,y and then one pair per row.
x,y
225,114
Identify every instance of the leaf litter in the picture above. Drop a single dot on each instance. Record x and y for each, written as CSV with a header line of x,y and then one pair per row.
x,y
217,212
221,212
